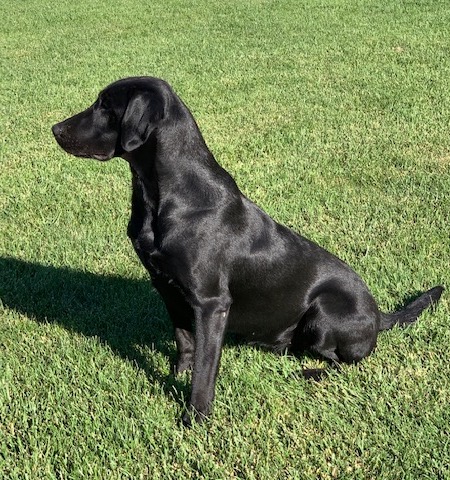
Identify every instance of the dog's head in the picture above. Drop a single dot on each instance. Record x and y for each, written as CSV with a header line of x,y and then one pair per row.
x,y
121,120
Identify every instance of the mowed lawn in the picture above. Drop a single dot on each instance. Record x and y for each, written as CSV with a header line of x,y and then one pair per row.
x,y
334,116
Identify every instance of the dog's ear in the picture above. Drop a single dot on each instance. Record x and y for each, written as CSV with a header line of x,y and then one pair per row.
x,y
143,111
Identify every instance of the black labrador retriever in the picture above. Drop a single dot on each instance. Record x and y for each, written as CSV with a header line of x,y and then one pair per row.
x,y
218,261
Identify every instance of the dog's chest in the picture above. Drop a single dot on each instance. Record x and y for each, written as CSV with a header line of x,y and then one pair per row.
x,y
143,240
141,227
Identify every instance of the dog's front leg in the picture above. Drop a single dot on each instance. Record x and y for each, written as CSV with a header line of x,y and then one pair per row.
x,y
210,324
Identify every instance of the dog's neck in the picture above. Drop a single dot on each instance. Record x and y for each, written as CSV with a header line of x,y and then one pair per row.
x,y
176,163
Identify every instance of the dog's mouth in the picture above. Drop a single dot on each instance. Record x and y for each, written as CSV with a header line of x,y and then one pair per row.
x,y
77,152
96,156
74,148
101,157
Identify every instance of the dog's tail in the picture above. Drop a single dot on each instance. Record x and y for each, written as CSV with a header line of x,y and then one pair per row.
x,y
411,311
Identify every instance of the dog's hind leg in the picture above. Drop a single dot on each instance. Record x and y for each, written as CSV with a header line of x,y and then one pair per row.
x,y
345,339
337,334
186,349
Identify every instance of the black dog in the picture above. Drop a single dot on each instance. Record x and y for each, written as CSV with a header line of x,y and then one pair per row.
x,y
218,261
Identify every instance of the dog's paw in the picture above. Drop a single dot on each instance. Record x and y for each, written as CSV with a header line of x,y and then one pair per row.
x,y
316,374
192,416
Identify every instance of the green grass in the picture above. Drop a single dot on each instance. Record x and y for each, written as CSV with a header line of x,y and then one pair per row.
x,y
333,115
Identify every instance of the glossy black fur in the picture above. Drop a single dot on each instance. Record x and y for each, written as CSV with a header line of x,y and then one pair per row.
x,y
219,262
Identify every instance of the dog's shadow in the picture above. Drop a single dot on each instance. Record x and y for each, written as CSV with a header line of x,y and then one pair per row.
x,y
126,314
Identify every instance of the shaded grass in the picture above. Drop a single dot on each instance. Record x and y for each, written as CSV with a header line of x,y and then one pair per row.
x,y
333,116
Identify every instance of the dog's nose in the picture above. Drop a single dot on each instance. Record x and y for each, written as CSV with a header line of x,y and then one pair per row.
x,y
57,129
